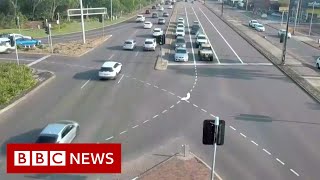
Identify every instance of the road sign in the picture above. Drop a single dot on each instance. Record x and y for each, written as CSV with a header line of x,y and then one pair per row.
x,y
283,9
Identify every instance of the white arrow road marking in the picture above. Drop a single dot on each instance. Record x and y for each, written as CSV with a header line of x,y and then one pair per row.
x,y
186,98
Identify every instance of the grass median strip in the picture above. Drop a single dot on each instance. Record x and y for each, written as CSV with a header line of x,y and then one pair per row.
x,y
14,80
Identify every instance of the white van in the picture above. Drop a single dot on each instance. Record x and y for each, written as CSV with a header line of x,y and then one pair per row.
x,y
5,46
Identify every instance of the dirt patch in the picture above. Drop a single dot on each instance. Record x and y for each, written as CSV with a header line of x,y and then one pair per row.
x,y
71,48
32,24
176,168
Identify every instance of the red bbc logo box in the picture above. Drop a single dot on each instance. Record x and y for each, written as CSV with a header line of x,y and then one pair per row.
x,y
63,158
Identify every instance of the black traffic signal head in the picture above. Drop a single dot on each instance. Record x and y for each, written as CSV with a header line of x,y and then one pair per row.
x,y
221,130
282,36
47,30
12,41
210,133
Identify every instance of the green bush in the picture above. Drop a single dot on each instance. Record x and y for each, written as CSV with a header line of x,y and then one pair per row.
x,y
14,80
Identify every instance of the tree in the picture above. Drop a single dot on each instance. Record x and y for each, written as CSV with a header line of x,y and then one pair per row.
x,y
35,4
15,6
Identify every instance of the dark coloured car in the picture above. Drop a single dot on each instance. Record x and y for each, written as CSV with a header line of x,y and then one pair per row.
x,y
147,11
154,7
161,21
195,28
165,14
154,15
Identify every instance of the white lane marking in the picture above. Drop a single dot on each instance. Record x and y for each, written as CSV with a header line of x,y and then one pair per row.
x,y
203,110
195,105
141,81
294,172
171,106
123,132
135,126
212,115
111,56
194,59
214,52
155,116
85,83
164,111
192,88
164,90
221,36
120,78
145,121
186,98
135,178
134,78
232,128
127,76
156,86
280,161
217,64
254,143
266,151
109,138
243,135
187,101
148,84
178,102
179,97
37,61
171,93
137,53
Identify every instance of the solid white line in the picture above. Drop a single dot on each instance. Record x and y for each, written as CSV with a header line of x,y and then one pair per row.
x,y
109,138
243,135
171,106
232,128
85,83
280,161
145,121
120,78
178,102
294,172
171,93
156,86
266,151
148,84
111,56
221,36
163,90
203,110
195,105
214,52
155,116
135,126
123,132
137,53
212,115
39,60
255,143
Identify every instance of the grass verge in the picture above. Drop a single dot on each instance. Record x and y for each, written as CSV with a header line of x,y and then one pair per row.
x,y
14,80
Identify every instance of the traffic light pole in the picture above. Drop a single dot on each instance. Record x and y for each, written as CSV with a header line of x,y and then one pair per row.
x,y
283,59
50,38
215,148
16,47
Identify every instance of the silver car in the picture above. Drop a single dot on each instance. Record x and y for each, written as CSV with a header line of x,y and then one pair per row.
x,y
180,42
129,44
60,132
181,54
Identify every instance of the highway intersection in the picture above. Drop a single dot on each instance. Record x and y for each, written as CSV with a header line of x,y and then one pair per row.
x,y
272,129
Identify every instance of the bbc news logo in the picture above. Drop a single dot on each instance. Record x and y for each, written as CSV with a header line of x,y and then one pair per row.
x,y
63,158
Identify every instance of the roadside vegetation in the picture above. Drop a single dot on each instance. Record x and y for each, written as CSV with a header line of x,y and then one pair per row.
x,y
14,80
33,13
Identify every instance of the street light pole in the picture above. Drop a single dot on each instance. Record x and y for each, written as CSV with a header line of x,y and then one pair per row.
x,y
222,7
215,149
247,5
82,23
296,18
111,10
283,59
311,17
16,47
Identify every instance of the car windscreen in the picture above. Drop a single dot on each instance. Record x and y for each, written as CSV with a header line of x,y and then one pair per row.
x,y
259,25
47,139
128,42
179,30
157,30
201,37
148,42
139,16
206,48
181,51
180,41
106,69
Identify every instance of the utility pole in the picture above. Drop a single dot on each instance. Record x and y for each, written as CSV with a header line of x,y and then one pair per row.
x,y
82,23
103,25
58,21
214,149
16,47
282,18
247,2
311,17
18,23
50,37
296,18
111,10
283,59
222,7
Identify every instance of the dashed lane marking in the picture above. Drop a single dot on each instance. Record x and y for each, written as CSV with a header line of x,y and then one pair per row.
x,y
120,79
145,121
109,138
203,110
155,86
195,105
232,128
294,172
164,111
178,102
141,81
212,115
171,93
243,135
164,90
135,126
85,83
266,151
254,143
111,57
148,84
123,132
171,106
155,116
280,161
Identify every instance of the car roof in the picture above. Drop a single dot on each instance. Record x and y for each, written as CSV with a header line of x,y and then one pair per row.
x,y
202,35
181,48
157,29
180,37
149,39
180,18
54,128
109,64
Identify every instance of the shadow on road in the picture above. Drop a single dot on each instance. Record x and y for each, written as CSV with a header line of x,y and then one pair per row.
x,y
267,119
118,48
314,106
145,36
27,137
86,75
57,177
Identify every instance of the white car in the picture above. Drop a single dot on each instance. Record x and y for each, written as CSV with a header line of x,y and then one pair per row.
x,y
157,32
318,63
283,31
129,44
150,44
259,27
170,7
110,70
181,54
252,23
181,26
140,18
180,32
5,46
201,38
147,25
59,132
181,20
161,8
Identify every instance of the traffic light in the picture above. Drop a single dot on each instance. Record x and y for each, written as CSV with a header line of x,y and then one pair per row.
x,y
161,39
100,19
282,36
210,135
47,30
12,41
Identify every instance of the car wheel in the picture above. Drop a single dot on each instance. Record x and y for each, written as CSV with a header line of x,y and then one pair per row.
x,y
211,59
318,66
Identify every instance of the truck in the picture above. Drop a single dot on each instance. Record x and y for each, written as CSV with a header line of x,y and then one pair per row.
x,y
205,52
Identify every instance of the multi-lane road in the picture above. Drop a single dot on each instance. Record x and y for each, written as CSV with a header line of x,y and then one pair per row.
x,y
272,125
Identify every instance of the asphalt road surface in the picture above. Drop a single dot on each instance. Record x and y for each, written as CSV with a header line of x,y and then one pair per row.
x,y
272,125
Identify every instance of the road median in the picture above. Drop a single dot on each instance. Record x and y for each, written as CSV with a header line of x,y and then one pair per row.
x,y
273,54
